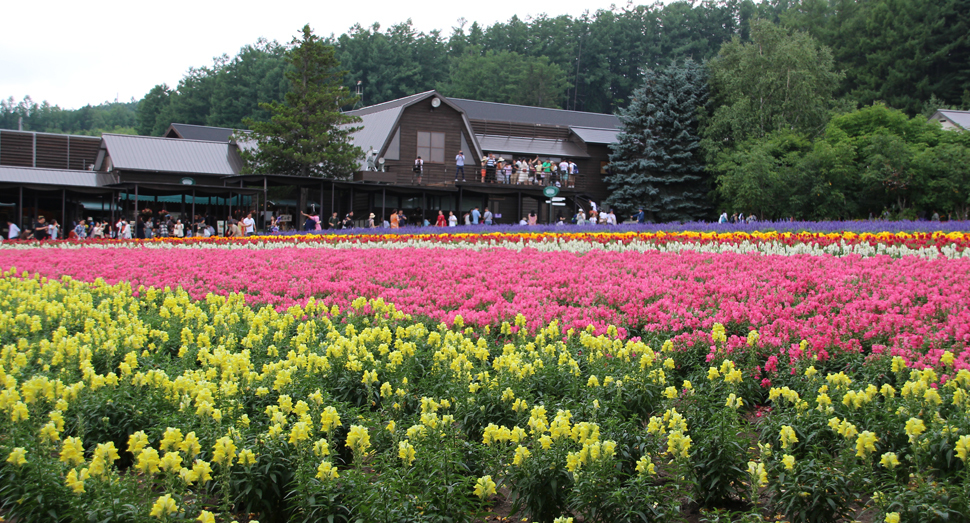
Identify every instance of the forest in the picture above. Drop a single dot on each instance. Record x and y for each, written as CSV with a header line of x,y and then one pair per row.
x,y
815,116
906,53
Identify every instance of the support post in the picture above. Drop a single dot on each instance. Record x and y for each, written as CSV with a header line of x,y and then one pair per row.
x,y
136,202
60,230
265,204
193,204
383,204
519,216
20,209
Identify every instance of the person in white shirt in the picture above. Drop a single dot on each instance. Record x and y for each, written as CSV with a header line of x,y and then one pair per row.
x,y
14,232
573,171
460,166
611,218
452,219
249,224
564,172
523,176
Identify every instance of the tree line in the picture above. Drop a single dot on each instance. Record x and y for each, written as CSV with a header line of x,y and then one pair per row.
x,y
92,120
808,108
766,128
907,53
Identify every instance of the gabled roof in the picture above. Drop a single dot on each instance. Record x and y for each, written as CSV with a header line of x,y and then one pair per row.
x,y
199,132
959,118
147,153
392,104
378,122
592,135
71,178
493,111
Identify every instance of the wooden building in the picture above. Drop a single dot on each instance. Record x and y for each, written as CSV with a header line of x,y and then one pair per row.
x,y
435,127
197,169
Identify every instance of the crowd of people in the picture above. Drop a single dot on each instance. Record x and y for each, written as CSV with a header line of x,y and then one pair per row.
x,y
737,218
517,171
144,226
242,224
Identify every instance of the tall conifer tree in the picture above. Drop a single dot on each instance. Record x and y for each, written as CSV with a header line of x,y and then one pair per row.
x,y
307,135
655,162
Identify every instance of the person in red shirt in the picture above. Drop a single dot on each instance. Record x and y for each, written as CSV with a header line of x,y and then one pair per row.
x,y
441,220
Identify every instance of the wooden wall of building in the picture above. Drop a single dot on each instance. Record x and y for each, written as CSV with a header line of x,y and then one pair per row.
x,y
52,151
422,117
591,181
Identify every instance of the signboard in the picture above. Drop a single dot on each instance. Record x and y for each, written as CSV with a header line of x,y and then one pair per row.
x,y
558,204
188,181
550,191
285,218
559,198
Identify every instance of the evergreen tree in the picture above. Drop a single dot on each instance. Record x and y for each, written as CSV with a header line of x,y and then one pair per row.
x,y
307,135
656,162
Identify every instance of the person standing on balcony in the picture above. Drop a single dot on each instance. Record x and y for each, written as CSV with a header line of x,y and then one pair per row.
x,y
460,166
490,169
418,169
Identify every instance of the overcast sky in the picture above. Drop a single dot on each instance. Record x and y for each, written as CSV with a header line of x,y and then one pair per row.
x,y
75,53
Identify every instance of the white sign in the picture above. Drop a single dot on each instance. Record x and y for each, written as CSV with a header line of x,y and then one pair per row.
x,y
559,199
285,218
558,204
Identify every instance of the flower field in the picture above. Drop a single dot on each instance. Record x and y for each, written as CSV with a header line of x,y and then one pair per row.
x,y
600,376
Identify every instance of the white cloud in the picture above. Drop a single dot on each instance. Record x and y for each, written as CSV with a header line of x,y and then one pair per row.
x,y
72,54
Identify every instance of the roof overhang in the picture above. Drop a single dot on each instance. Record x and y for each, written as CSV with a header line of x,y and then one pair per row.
x,y
178,188
41,179
595,135
531,146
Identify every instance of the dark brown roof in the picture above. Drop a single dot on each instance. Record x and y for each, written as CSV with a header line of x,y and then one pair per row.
x,y
199,132
492,111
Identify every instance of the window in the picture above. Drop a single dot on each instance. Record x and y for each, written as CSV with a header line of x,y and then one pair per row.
x,y
431,146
